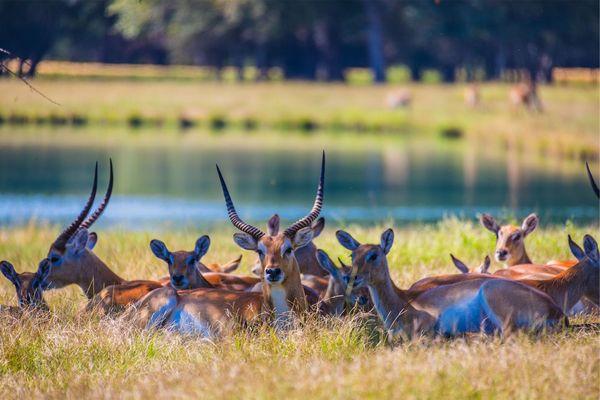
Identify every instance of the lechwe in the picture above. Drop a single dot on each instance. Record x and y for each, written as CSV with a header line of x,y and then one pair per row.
x,y
526,94
186,271
74,262
210,312
29,286
472,96
478,305
400,98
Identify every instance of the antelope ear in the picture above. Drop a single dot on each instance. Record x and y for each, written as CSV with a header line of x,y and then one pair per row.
x,y
273,225
576,250
202,245
245,241
9,272
160,250
302,237
77,244
42,273
485,267
347,240
591,248
387,239
318,227
459,264
92,240
529,224
326,263
489,223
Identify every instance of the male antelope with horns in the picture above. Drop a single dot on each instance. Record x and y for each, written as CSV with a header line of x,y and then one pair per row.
x,y
208,312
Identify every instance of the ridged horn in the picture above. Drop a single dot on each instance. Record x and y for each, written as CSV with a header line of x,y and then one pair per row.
x,y
316,209
592,181
64,237
92,218
233,216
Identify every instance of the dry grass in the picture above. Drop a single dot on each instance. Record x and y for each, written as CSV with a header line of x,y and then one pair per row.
x,y
63,356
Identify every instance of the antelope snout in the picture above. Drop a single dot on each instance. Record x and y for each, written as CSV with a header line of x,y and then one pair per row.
x,y
273,275
501,255
178,281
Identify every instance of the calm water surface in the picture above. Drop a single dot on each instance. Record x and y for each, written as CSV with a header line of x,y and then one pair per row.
x,y
173,182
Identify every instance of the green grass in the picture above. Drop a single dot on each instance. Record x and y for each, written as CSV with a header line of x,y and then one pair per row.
x,y
66,356
568,127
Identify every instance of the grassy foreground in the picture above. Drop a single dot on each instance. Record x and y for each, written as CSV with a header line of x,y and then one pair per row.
x,y
337,358
567,128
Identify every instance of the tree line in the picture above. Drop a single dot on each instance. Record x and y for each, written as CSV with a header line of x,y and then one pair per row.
x,y
309,39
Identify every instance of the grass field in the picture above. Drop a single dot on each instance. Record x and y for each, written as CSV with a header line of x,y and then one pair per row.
x,y
64,356
568,127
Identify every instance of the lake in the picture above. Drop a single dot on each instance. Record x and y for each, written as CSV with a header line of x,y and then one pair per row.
x,y
168,179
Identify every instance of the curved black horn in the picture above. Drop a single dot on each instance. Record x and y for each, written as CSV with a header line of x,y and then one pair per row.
x,y
592,181
64,237
316,209
233,216
92,218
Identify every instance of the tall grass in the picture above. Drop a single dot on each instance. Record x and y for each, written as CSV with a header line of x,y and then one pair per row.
x,y
66,356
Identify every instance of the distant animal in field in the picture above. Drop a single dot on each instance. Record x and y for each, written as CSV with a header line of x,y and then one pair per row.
x,y
401,98
525,94
472,96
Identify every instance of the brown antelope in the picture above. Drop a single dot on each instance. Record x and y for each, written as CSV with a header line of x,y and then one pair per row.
x,y
525,94
462,267
306,256
472,96
490,305
208,312
74,262
187,272
431,282
510,239
29,285
336,294
400,98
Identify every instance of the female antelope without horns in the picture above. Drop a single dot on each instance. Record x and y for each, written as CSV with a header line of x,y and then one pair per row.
x,y
207,312
29,286
476,305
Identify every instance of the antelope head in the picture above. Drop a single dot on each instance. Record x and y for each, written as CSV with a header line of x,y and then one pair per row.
x,y
369,260
184,266
71,253
29,285
304,255
510,239
589,257
462,267
337,290
276,250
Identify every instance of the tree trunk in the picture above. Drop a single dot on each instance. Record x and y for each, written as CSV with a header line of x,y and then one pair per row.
x,y
375,40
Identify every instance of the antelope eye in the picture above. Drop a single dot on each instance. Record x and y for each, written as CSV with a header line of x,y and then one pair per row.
x,y
260,252
372,257
288,251
54,259
517,237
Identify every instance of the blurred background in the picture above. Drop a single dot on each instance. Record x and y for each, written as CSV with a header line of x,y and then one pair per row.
x,y
426,109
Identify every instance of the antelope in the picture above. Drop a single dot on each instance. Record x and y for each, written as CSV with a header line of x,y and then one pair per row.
x,y
400,98
525,94
29,286
462,267
74,262
210,312
491,305
431,282
336,294
306,256
472,96
187,272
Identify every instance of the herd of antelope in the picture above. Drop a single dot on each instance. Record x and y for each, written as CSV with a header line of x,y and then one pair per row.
x,y
292,278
